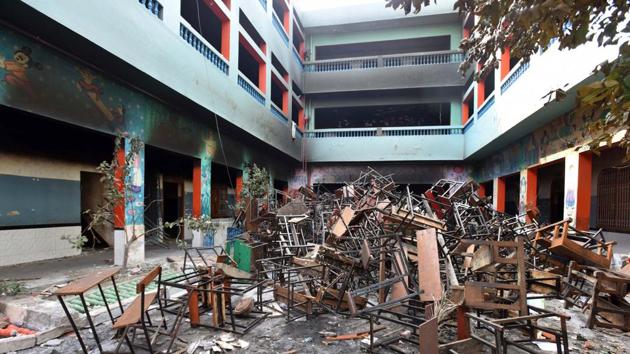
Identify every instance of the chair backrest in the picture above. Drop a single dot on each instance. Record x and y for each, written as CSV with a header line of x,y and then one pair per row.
x,y
144,282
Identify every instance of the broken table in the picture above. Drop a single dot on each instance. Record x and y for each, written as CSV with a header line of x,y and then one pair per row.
x,y
79,288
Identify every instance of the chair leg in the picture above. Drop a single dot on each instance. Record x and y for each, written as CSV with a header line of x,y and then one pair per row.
x,y
147,337
124,337
148,318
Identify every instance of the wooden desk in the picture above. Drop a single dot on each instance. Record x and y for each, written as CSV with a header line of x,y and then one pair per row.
x,y
79,288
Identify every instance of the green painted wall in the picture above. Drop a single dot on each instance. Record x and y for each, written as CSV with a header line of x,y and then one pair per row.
x,y
452,29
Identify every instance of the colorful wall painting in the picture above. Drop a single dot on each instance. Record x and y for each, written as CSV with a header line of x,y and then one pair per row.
x,y
559,135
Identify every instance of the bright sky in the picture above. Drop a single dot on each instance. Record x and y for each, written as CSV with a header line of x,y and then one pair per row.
x,y
307,5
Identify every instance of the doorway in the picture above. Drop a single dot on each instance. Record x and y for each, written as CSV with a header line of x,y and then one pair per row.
x,y
173,205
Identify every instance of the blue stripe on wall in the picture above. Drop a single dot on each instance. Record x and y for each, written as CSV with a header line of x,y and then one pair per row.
x,y
26,201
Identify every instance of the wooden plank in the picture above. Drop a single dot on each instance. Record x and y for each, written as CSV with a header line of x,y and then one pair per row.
x,y
339,228
144,282
86,283
132,314
429,280
428,337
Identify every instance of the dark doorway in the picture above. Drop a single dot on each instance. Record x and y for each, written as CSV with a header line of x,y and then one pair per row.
x,y
550,192
92,191
173,205
512,194
556,211
488,188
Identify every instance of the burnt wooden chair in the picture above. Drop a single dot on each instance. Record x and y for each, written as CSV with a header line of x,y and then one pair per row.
x,y
136,315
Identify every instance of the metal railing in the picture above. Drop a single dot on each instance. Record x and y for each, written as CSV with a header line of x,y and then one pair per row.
x,y
251,89
153,6
279,114
388,131
280,28
514,76
385,61
486,107
201,47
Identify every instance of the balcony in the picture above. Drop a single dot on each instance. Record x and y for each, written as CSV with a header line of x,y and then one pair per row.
x,y
416,70
435,143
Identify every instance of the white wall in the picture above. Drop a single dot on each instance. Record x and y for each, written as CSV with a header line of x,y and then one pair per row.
x,y
30,245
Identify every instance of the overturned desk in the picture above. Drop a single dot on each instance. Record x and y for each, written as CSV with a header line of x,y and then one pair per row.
x,y
79,288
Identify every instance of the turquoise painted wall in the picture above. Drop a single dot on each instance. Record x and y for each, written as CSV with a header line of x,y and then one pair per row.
x,y
454,30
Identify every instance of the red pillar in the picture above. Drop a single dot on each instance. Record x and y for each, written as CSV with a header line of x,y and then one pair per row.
x,y
119,209
505,62
196,203
531,195
239,187
583,207
481,191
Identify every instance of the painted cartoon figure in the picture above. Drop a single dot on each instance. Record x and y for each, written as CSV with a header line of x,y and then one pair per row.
x,y
94,92
17,69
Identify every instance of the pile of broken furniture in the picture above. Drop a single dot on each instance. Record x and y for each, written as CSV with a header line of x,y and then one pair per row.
x,y
445,258
442,271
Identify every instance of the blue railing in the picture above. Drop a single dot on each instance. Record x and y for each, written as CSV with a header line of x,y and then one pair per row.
x,y
386,61
279,114
514,76
389,131
486,106
153,6
249,88
297,58
280,29
202,48
469,123
264,4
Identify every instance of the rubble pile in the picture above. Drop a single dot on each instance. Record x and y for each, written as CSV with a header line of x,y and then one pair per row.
x,y
378,251
417,268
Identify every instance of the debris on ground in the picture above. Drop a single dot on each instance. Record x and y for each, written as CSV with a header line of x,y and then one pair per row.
x,y
374,257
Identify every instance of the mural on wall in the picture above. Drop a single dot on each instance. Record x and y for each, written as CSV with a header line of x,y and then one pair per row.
x,y
38,79
134,207
562,133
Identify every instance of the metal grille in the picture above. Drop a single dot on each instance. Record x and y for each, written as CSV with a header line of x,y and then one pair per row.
x,y
613,193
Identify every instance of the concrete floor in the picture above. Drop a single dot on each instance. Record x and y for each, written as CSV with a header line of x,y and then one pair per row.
x,y
41,274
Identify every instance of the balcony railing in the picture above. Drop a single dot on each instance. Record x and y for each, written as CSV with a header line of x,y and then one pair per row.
x,y
279,28
153,6
279,114
385,61
251,89
514,76
389,131
202,48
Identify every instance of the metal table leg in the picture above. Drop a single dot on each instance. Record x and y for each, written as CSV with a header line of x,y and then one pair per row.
x,y
74,325
89,318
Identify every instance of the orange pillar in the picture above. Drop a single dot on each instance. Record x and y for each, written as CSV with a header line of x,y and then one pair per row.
x,y
262,77
465,113
499,193
583,212
119,209
532,186
239,187
196,202
481,92
225,39
481,191
505,62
